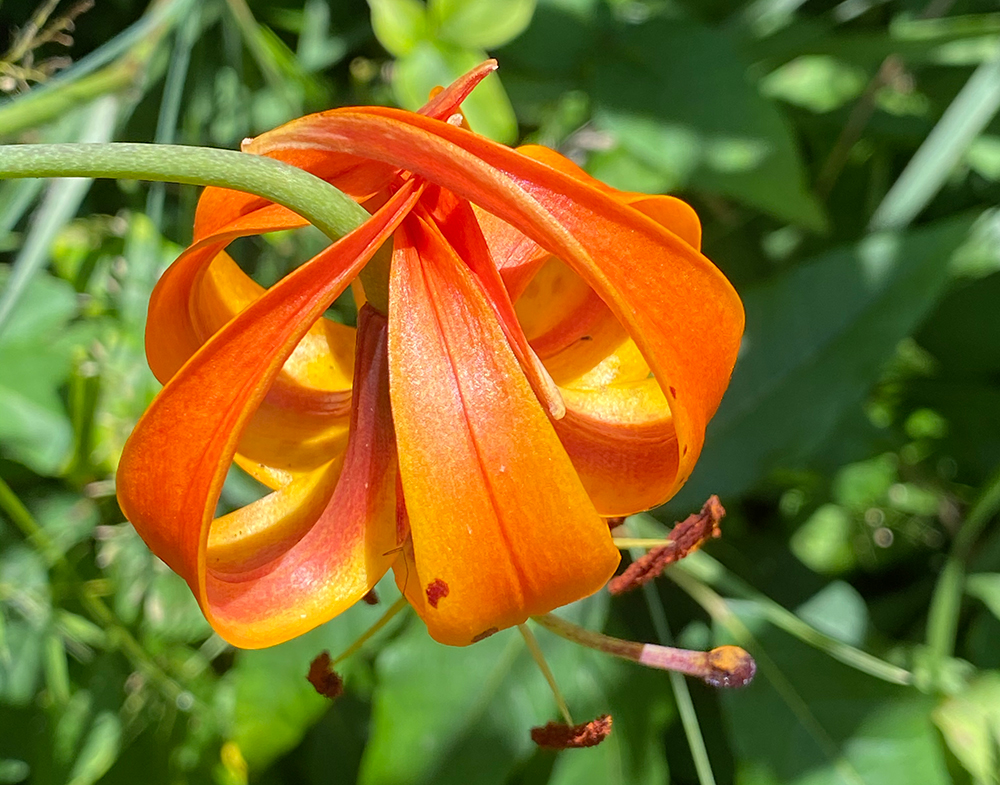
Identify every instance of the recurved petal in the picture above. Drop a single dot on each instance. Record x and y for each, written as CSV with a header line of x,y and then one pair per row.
x,y
669,212
622,442
519,257
303,420
307,552
354,174
501,526
680,310
175,462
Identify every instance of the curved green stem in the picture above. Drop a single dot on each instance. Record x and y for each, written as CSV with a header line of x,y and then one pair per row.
x,y
324,206
946,602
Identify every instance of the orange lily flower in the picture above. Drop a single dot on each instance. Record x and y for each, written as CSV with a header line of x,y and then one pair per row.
x,y
543,352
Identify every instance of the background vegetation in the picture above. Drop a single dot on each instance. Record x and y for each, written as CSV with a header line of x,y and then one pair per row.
x,y
845,160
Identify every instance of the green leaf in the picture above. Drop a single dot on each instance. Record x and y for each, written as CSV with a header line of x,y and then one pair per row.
x,y
838,611
823,542
34,426
431,64
711,129
976,104
970,723
14,770
985,586
457,715
816,339
399,25
480,24
818,83
100,750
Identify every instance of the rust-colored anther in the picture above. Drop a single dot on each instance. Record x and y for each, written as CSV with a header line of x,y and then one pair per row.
x,y
559,736
371,597
324,678
686,537
614,523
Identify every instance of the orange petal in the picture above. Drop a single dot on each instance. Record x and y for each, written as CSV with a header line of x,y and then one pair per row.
x,y
355,175
445,102
501,526
680,310
175,462
303,420
455,223
669,212
298,557
622,442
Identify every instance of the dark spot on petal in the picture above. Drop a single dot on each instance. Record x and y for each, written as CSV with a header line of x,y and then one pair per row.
x,y
557,736
586,337
437,590
685,452
371,597
485,634
673,392
323,678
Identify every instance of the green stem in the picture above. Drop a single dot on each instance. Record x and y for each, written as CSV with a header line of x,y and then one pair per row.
x,y
543,666
704,568
682,695
324,206
942,619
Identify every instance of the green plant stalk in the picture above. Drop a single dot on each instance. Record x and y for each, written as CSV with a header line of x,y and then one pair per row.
x,y
965,118
682,694
170,103
704,568
324,206
33,111
946,602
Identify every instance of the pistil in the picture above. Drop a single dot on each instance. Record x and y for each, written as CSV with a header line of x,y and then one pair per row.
x,y
724,666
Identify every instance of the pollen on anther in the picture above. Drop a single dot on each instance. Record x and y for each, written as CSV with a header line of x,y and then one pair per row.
x,y
558,736
324,678
436,590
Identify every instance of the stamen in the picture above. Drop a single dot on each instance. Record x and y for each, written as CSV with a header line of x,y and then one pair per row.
x,y
543,666
371,597
725,666
323,678
395,608
687,536
556,736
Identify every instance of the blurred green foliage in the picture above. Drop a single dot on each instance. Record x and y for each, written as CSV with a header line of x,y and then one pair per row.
x,y
857,450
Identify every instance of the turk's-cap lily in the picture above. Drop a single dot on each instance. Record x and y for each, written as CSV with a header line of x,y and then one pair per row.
x,y
543,352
